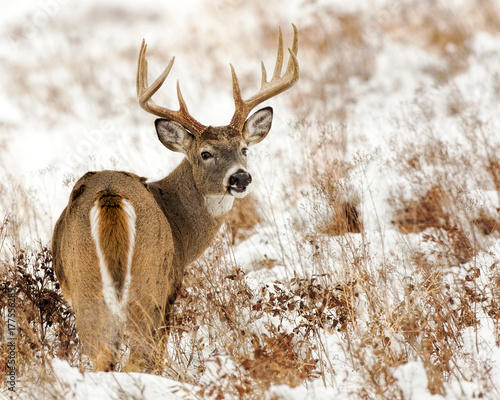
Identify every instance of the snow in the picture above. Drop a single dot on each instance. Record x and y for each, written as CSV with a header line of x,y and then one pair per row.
x,y
101,385
56,125
413,380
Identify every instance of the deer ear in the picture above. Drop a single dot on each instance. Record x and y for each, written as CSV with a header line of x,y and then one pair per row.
x,y
257,126
173,135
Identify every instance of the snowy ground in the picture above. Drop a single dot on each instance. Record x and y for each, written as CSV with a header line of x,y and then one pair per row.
x,y
68,106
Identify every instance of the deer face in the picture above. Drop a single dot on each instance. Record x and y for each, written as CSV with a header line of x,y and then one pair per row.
x,y
219,155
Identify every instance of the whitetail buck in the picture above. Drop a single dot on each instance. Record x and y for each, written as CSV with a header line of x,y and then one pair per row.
x,y
121,245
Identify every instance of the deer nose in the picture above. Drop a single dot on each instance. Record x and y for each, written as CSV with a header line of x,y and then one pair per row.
x,y
240,179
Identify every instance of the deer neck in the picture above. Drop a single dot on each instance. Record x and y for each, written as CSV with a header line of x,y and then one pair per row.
x,y
194,219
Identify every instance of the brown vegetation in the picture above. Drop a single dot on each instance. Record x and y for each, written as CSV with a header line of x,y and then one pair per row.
x,y
242,218
45,322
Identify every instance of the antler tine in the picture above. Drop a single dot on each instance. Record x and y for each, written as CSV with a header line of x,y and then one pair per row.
x,y
295,50
236,88
145,92
275,86
182,103
279,57
264,74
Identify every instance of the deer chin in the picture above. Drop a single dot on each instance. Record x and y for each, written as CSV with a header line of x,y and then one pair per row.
x,y
237,191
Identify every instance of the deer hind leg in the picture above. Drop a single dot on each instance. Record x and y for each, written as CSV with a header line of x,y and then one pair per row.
x,y
150,319
147,337
148,329
112,221
99,332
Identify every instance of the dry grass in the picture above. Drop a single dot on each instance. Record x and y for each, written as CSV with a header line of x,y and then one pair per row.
x,y
243,218
263,353
45,323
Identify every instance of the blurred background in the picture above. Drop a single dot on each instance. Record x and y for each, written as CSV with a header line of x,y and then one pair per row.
x,y
68,102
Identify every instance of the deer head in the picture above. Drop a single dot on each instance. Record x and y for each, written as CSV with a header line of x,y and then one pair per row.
x,y
218,155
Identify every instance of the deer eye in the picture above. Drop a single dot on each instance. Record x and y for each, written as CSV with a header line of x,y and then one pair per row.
x,y
244,151
206,155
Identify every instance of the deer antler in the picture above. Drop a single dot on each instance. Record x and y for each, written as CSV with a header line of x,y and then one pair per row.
x,y
275,86
144,94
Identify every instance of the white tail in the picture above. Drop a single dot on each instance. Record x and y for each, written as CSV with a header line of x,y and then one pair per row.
x,y
112,224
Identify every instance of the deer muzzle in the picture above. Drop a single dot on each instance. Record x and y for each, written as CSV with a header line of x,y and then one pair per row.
x,y
239,181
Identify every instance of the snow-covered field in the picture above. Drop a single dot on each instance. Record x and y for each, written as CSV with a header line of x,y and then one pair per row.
x,y
396,114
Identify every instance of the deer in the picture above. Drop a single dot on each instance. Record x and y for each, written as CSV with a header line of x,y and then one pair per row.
x,y
122,243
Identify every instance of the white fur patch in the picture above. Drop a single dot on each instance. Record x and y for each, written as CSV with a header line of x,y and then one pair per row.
x,y
219,204
117,307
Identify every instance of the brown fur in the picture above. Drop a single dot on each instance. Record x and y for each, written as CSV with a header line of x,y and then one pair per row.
x,y
114,237
168,237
